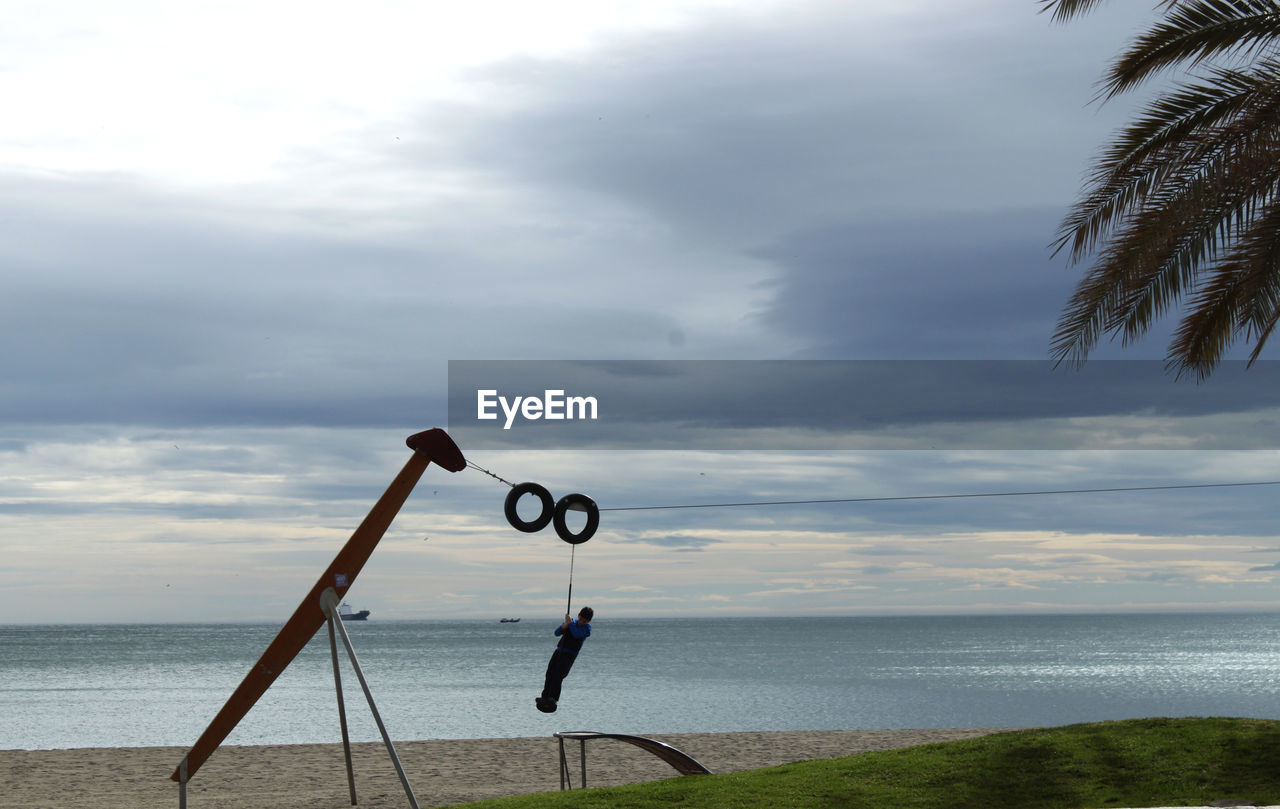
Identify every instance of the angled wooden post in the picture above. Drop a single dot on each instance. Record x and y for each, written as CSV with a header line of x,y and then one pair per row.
x,y
431,445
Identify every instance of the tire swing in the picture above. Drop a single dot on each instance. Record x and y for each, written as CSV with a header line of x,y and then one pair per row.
x,y
557,515
513,516
553,512
576,502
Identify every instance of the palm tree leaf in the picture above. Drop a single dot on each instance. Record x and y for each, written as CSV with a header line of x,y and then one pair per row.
x,y
1142,155
1064,10
1179,233
1171,233
1191,32
1186,200
1241,295
1264,334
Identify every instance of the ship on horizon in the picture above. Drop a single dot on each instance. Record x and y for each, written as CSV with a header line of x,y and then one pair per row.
x,y
346,613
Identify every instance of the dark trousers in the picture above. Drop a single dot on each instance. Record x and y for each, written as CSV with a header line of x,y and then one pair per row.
x,y
557,670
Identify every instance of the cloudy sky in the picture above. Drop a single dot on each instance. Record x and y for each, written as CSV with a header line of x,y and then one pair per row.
x,y
242,242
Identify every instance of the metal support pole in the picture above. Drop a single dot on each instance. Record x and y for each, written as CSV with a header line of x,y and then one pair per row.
x,y
182,784
564,764
583,742
329,601
342,709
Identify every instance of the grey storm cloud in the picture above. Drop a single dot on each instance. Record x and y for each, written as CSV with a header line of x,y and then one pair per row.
x,y
919,285
745,129
808,146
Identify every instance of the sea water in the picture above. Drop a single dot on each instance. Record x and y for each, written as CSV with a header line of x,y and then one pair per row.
x,y
161,684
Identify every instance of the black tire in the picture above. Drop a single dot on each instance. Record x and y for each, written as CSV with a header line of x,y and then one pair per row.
x,y
582,503
513,516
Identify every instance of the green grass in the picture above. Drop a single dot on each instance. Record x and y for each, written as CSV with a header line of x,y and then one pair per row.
x,y
1132,763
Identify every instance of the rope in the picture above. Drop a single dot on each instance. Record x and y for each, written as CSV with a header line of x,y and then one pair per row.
x,y
568,607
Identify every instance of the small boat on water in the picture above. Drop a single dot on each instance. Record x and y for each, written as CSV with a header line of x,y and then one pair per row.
x,y
346,613
509,621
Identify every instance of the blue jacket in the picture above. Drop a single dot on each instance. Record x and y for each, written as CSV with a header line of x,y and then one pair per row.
x,y
571,640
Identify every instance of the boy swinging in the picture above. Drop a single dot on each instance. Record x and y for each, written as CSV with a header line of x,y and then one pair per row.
x,y
572,633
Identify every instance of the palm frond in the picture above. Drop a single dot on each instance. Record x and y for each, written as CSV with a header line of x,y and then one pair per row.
x,y
1185,202
1241,296
1264,333
1141,157
1192,32
1170,241
1216,180
1064,10
1083,322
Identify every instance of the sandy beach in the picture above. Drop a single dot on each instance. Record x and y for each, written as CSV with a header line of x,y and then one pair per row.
x,y
441,772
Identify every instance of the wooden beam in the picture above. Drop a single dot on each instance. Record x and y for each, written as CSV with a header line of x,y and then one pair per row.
x,y
432,445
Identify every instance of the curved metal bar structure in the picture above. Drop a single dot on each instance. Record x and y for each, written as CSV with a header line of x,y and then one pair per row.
x,y
681,761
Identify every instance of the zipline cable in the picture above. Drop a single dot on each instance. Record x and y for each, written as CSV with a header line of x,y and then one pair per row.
x,y
945,496
915,496
591,527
